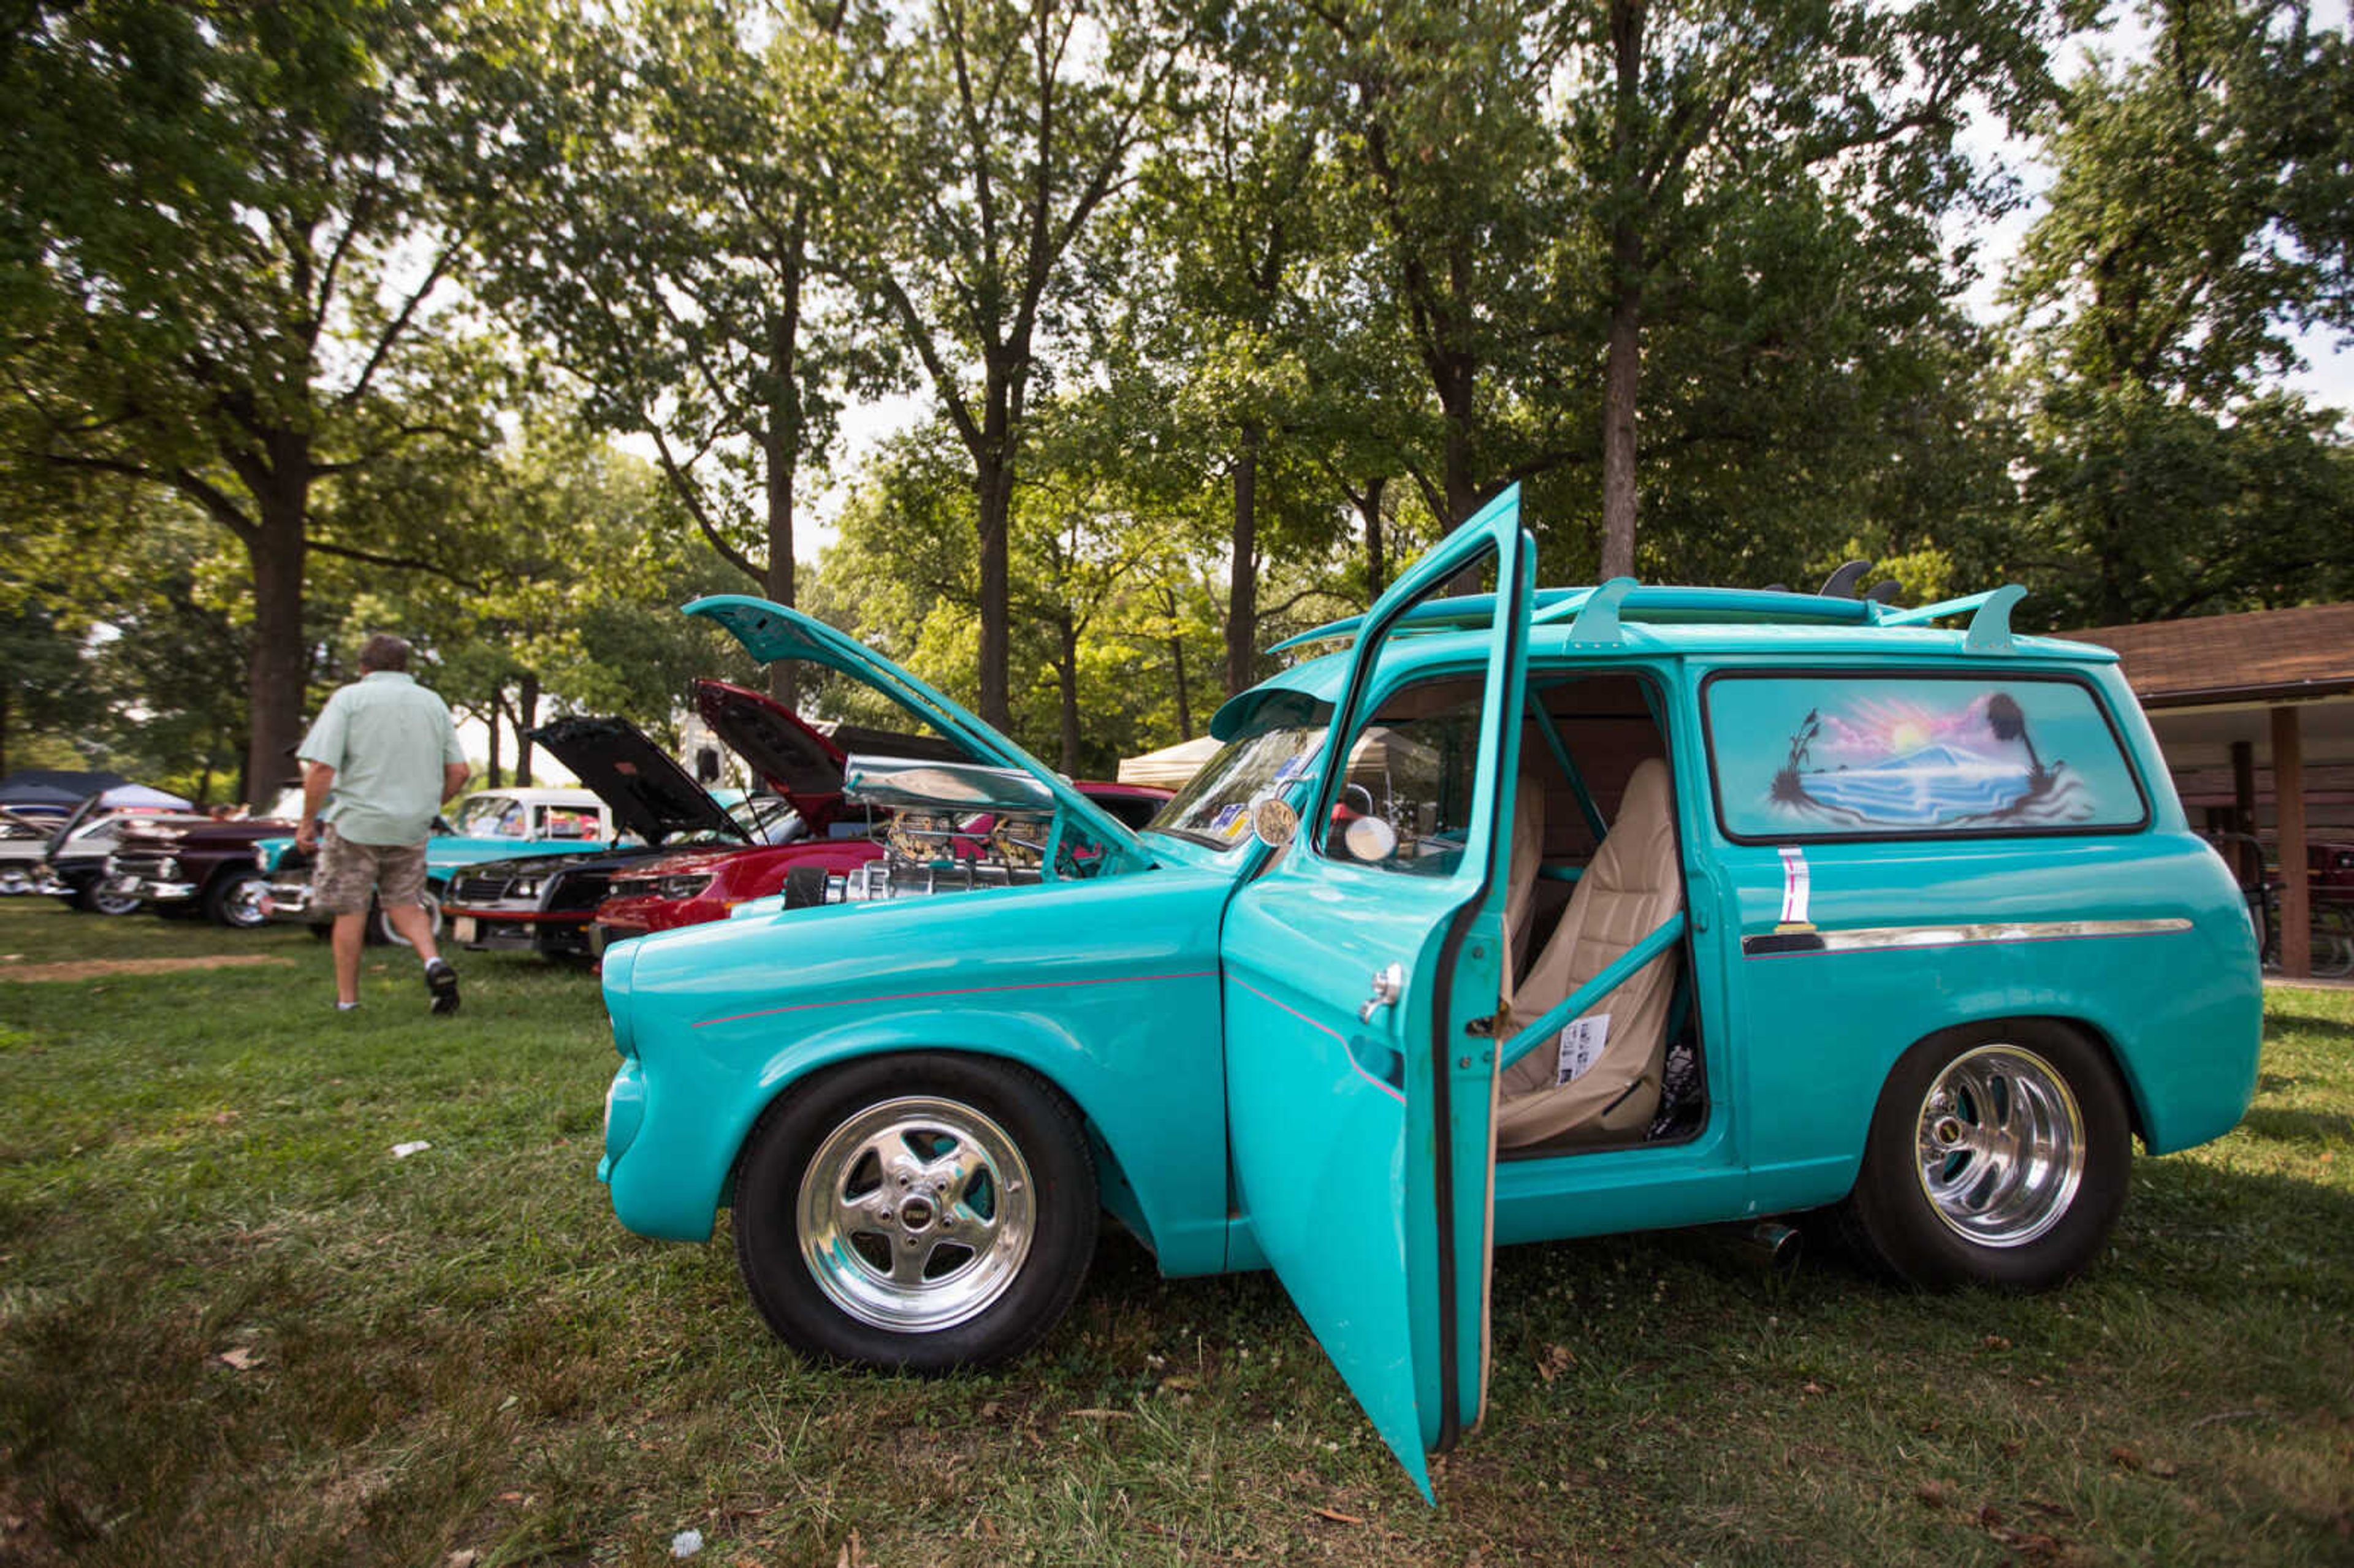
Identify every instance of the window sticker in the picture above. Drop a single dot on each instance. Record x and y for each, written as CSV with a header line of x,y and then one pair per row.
x,y
1231,822
1581,1047
1804,755
1294,767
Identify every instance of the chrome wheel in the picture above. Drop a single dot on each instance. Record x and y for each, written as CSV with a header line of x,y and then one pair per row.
x,y
13,880
2001,1146
107,903
915,1213
246,905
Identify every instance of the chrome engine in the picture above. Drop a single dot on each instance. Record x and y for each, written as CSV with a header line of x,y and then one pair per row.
x,y
954,828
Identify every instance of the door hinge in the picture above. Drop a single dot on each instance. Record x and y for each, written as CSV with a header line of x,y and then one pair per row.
x,y
1485,1028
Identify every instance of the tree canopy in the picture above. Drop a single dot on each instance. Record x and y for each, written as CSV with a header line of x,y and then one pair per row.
x,y
513,322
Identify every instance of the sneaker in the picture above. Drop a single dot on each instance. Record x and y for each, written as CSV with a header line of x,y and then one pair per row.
x,y
442,981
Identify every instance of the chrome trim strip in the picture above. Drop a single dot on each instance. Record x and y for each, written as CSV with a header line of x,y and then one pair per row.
x,y
1875,938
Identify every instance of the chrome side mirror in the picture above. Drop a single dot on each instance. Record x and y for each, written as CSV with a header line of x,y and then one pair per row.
x,y
1273,820
1369,839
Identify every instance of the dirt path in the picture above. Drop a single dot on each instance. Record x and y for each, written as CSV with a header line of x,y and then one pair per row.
x,y
98,968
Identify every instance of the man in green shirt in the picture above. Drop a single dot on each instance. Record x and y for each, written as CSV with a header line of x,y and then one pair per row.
x,y
380,760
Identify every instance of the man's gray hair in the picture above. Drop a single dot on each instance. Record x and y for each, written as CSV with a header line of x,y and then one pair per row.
x,y
384,651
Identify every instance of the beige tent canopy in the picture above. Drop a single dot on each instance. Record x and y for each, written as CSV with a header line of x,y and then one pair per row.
x,y
1172,766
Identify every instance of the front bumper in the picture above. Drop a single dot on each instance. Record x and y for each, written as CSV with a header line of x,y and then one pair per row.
x,y
490,929
149,892
289,901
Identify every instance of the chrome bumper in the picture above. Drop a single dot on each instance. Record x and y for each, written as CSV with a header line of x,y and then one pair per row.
x,y
148,892
289,901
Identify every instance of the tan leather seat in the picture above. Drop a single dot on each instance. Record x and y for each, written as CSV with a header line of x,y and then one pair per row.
x,y
1520,884
1634,883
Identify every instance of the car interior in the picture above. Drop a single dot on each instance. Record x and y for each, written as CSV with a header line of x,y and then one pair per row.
x,y
1595,870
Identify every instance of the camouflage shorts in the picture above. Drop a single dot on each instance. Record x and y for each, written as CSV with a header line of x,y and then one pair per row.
x,y
347,873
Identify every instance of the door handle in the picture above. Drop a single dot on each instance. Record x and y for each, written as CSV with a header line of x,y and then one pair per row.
x,y
1389,980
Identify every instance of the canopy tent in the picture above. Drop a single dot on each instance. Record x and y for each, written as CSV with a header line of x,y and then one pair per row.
x,y
1170,767
140,798
55,787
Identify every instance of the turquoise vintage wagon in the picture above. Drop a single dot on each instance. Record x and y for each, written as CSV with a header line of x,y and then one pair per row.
x,y
1521,915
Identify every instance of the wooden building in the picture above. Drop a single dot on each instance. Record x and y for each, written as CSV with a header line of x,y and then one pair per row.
x,y
2255,713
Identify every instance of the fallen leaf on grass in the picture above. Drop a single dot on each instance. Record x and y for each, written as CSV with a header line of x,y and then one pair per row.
x,y
852,1554
1931,1493
2124,1458
2164,1469
403,1150
1335,1516
1557,1360
240,1357
464,1558
1996,1343
1811,1387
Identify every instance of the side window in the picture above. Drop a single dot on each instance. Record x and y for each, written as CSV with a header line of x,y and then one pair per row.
x,y
1411,767
1913,755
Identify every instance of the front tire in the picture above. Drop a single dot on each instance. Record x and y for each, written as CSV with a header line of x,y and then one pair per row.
x,y
92,897
235,901
922,1212
1998,1155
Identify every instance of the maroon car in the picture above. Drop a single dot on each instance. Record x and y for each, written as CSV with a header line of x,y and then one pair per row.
x,y
173,865
804,767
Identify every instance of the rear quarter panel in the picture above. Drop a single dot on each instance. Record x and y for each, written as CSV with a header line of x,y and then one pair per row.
x,y
2180,1010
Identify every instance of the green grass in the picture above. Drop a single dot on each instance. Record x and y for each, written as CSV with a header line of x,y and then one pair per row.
x,y
463,1349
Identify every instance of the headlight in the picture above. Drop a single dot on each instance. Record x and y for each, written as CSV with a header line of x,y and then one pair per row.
x,y
688,886
527,887
167,869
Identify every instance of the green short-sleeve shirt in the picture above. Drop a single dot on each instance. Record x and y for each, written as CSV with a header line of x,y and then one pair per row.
x,y
387,737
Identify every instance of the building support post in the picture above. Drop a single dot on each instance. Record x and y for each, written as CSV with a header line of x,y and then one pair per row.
x,y
2249,858
2288,814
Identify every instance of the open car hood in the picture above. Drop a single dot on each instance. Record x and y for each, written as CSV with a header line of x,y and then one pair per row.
x,y
650,794
770,631
796,761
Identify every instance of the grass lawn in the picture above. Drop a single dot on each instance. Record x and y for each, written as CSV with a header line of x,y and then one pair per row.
x,y
235,1329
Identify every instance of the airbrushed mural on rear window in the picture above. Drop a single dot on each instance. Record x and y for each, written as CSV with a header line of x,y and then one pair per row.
x,y
1925,755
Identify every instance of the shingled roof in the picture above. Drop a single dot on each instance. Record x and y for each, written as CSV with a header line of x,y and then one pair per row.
x,y
2271,655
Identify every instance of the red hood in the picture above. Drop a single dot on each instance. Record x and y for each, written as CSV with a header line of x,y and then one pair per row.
x,y
793,759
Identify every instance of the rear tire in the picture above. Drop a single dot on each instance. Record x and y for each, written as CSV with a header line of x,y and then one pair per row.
x,y
1998,1156
380,931
847,1253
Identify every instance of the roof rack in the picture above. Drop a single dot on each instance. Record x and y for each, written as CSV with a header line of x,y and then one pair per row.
x,y
1595,614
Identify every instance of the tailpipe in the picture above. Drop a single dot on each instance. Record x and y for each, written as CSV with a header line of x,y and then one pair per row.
x,y
1766,1244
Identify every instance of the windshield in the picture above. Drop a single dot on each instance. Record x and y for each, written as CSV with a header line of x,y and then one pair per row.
x,y
763,819
1213,808
491,817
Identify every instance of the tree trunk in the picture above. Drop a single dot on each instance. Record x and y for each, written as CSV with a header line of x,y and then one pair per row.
x,y
526,718
1622,369
4,731
1184,699
276,553
992,491
1377,566
1620,382
490,721
1242,590
1066,668
1455,402
784,445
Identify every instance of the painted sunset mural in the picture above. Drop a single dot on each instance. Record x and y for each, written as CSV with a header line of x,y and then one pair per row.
x,y
1911,762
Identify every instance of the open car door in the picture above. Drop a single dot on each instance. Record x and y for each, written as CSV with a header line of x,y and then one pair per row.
x,y
1363,970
